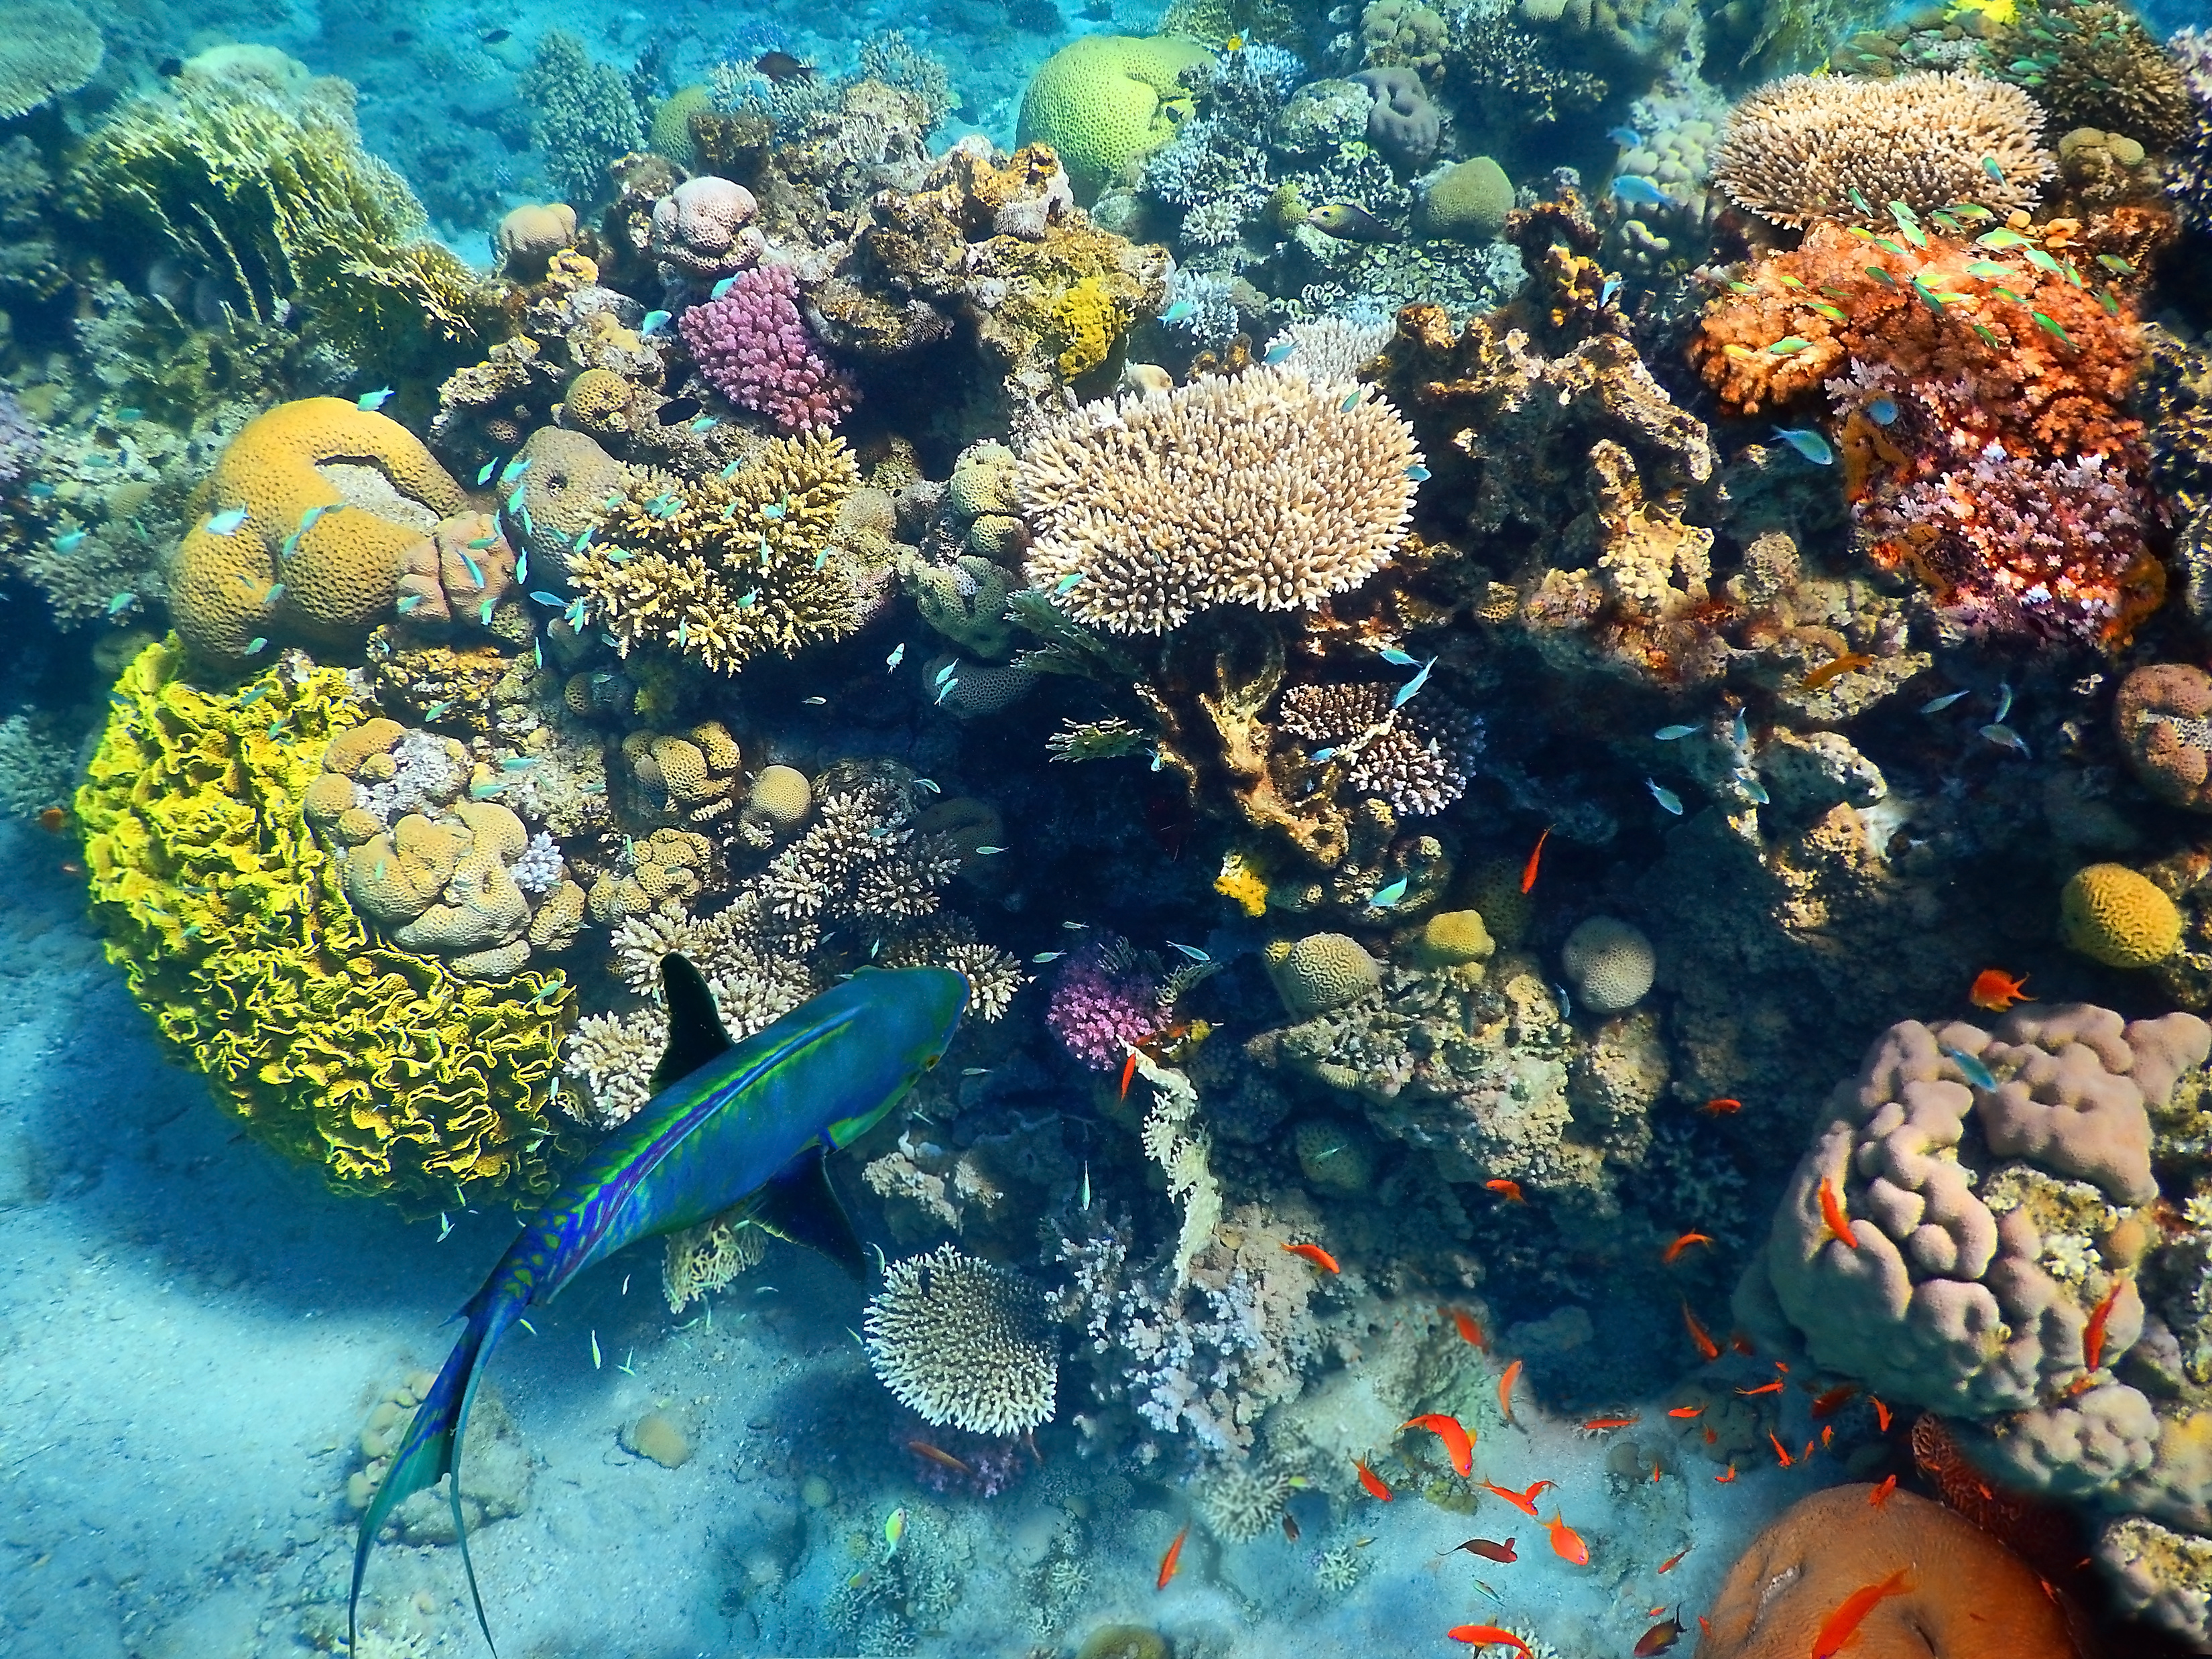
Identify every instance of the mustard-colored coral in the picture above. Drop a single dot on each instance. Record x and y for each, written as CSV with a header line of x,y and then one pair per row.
x,y
1090,319
1240,881
1454,938
725,569
1103,101
226,918
2118,917
373,491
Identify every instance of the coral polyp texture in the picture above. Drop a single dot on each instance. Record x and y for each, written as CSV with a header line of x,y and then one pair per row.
x,y
753,348
1259,490
963,1341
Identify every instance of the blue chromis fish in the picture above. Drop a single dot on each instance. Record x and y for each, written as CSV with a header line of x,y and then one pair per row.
x,y
67,541
1190,951
1181,311
1937,705
1969,1067
729,1124
1394,656
1882,412
226,524
2005,737
1626,138
1386,897
896,657
721,288
1673,733
1348,221
1665,797
1279,352
1406,692
654,322
1808,443
1638,191
1740,728
369,402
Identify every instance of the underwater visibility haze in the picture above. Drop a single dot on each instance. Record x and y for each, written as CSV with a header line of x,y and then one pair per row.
x,y
1242,828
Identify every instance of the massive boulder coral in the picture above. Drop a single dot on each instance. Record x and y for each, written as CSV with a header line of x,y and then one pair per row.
x,y
1105,100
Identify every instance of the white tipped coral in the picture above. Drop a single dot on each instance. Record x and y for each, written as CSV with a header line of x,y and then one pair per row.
x,y
1261,489
961,1341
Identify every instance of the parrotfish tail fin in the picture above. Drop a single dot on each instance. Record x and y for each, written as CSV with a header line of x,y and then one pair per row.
x,y
433,1446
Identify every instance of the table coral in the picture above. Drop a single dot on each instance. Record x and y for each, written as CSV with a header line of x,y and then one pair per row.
x,y
374,1064
961,1340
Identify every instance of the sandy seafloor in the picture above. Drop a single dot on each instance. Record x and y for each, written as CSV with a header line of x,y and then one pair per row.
x,y
192,1334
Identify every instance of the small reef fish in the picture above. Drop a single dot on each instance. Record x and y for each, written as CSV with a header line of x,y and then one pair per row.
x,y
1505,1382
1459,1444
1708,1350
1290,1528
1996,990
1851,662
226,524
2092,1334
1660,1637
67,541
1523,1501
896,657
1190,951
782,66
1535,857
1937,705
1314,1253
1626,138
1376,1486
1567,1543
1666,797
654,322
369,402
1808,443
1486,1636
1687,1410
1781,1451
1173,1559
1880,1495
677,411
1833,1217
1847,1618
1675,1559
1673,1251
1788,346
1508,1190
1970,1067
894,1529
1350,222
1672,733
1486,1548
1764,1388
1180,311
1469,1332
1279,353
727,1124
937,1455
1607,1425
1834,1401
2005,737
1722,1106
1406,692
1384,898
1638,191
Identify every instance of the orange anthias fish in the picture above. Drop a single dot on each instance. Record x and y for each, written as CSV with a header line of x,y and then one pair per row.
x,y
1880,1495
1567,1543
1721,1106
1708,1350
1469,1332
1508,1190
2093,1334
1723,1480
1487,1548
1128,1071
1834,668
1880,1413
1687,1410
1523,1501
1764,1388
1483,1636
1512,1375
1675,1559
1375,1484
1536,853
1459,1444
1173,1558
923,1448
1315,1253
1832,1213
1848,1617
1996,990
1781,1451
1681,1244
1834,1401
1602,1424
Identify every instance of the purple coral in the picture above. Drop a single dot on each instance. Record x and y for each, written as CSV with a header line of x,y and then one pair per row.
x,y
1105,999
19,441
753,347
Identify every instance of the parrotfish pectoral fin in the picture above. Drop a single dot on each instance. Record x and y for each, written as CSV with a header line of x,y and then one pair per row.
x,y
695,1027
801,1206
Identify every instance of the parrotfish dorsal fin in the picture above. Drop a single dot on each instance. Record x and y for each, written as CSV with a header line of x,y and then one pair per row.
x,y
695,1028
799,1204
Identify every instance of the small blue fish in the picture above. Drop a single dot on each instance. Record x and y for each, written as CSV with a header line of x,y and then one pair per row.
x,y
944,673
1741,730
1673,733
1665,797
1859,202
127,416
484,614
1047,955
518,763
67,540
1566,1002
654,322
255,646
896,657
1969,1067
514,501
1635,188
2004,701
1612,286
307,519
721,288
989,852
1418,473
481,543
1190,951
407,603
1351,402
2005,737
1066,584
706,423
1406,693
1937,705
1279,352
475,570
553,600
522,567
1882,411
41,492
369,402
1990,166
226,524
1393,655
1384,898
1808,443
1181,310
574,617
1755,790
435,710
484,472
945,691
515,468
284,548
1322,757
276,592
1626,138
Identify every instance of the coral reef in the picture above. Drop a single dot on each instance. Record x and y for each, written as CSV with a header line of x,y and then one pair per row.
x,y
963,1342
50,48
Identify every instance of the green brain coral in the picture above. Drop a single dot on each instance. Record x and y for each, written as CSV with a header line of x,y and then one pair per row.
x,y
227,919
1103,101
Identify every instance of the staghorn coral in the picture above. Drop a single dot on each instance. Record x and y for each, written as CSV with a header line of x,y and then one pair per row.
x,y
1420,760
1259,490
1105,997
1797,150
753,347
376,1065
723,569
582,115
961,1341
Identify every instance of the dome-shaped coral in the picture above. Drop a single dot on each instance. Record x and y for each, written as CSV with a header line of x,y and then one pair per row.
x,y
1322,971
532,234
2163,719
1103,101
2118,917
1610,962
963,1341
1451,937
598,401
782,795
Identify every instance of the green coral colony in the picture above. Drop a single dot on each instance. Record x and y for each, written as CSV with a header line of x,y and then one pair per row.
x,y
1541,664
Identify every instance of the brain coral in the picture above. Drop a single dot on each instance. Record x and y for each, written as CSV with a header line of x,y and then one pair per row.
x,y
374,1064
1469,201
1323,971
1104,100
334,497
2117,917
1794,151
2163,719
963,1341
1610,962
1258,489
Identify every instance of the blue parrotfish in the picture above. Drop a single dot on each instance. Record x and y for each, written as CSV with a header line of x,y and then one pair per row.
x,y
729,1124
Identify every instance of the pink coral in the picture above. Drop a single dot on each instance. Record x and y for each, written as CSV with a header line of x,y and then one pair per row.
x,y
753,347
1105,999
701,229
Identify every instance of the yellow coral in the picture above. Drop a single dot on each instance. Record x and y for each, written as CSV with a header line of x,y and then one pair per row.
x,y
277,574
2118,917
1452,937
598,401
1322,971
1103,101
1089,318
782,795
1240,881
225,917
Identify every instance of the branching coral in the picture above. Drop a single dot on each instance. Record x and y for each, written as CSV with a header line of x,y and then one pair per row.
x,y
753,348
47,47
1420,760
963,1341
583,115
2092,63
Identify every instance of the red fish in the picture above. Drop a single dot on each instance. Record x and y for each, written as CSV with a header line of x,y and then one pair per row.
x,y
1851,1613
1880,1413
1315,1253
1173,1558
1375,1484
1833,1216
1708,1350
1764,1388
1687,1410
1485,1548
1681,1244
1781,1451
1661,1637
1601,1425
1508,1190
1834,1401
1505,1383
1996,990
1722,1479
1459,1444
1469,1332
1721,1106
1523,1501
1128,1071
1483,1636
1567,1543
1880,1495
2093,1334
1536,853
923,1448
1675,1559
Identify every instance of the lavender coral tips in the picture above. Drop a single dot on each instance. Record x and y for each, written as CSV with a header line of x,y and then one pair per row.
x,y
1104,999
753,347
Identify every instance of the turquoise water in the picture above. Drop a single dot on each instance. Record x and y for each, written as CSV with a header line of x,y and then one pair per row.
x,y
1547,685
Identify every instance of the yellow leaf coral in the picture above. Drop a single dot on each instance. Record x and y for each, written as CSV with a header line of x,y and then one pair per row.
x,y
226,918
